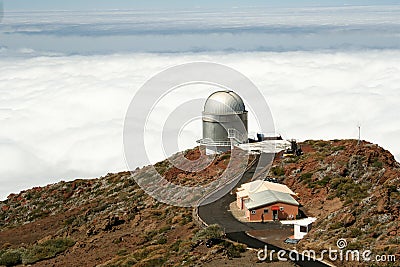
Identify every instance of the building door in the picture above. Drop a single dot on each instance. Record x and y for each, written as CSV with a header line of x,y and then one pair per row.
x,y
275,210
275,215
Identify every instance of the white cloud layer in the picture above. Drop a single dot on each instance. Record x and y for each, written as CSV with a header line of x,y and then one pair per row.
x,y
62,117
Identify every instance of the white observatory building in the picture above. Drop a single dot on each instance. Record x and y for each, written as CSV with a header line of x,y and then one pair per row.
x,y
224,122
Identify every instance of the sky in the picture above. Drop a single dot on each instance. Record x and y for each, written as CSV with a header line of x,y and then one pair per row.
x,y
173,4
67,77
263,29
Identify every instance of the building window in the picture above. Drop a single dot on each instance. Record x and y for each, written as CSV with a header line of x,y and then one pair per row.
x,y
303,229
265,211
281,208
253,212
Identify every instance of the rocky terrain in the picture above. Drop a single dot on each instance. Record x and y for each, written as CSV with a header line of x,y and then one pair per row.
x,y
353,190
109,221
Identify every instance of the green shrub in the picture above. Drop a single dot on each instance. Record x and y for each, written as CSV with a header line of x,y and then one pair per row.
x,y
149,235
292,160
335,226
306,176
140,254
330,197
394,240
324,181
186,218
11,258
354,246
157,213
355,232
164,229
348,201
129,262
392,189
212,231
162,240
175,246
322,143
46,250
122,252
335,182
232,250
377,164
278,171
157,260
347,190
69,221
337,148
122,261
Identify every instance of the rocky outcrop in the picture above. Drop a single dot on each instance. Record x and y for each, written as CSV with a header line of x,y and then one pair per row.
x,y
353,190
110,219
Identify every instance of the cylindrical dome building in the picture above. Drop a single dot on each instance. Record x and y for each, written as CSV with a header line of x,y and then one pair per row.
x,y
224,122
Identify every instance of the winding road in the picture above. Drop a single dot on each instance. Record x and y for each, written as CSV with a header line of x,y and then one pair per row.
x,y
218,212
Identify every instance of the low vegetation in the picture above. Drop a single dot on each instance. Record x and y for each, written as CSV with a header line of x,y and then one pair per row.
x,y
32,254
112,218
353,189
212,231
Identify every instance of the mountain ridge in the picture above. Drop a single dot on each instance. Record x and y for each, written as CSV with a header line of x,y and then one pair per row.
x,y
353,190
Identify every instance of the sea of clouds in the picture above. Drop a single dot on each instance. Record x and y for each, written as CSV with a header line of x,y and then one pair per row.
x,y
62,110
62,117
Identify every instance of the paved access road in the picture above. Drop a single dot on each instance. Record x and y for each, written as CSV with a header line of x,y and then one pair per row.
x,y
218,212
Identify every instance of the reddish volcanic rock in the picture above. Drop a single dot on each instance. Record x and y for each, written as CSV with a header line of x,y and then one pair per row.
x,y
353,190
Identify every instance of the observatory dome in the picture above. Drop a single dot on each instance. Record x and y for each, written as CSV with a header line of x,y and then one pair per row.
x,y
224,122
223,103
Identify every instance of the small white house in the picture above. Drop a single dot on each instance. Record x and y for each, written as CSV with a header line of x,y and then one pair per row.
x,y
301,227
245,190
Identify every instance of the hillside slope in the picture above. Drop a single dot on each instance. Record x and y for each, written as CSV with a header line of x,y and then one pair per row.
x,y
109,220
352,189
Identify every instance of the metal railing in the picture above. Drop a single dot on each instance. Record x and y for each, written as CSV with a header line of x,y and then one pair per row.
x,y
234,134
210,142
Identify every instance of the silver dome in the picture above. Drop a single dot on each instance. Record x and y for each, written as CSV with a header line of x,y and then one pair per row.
x,y
223,103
